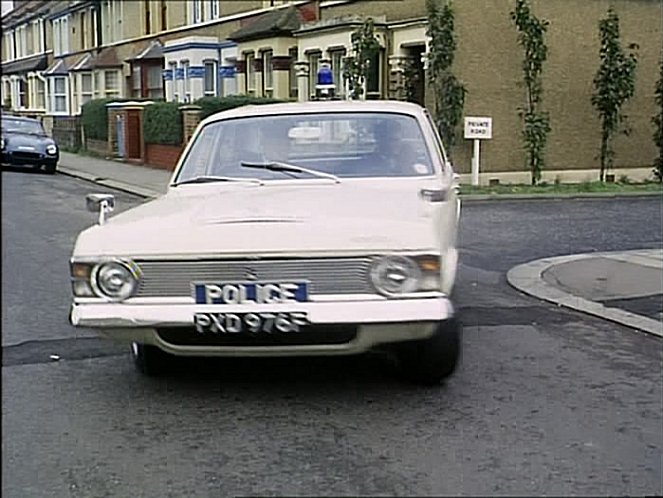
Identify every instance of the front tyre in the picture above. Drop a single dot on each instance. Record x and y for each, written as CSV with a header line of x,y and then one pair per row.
x,y
149,360
432,360
50,168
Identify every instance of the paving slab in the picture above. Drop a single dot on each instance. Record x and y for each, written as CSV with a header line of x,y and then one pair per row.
x,y
580,273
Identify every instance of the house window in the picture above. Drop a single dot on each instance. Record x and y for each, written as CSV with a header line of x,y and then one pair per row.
x,y
41,93
23,93
314,62
196,11
336,57
10,46
31,46
112,83
6,93
136,81
292,75
176,94
163,10
213,9
209,87
60,36
186,82
250,73
82,30
267,73
87,92
154,81
92,32
373,77
146,12
59,94
111,15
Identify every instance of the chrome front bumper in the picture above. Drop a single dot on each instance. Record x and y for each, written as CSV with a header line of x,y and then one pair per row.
x,y
379,322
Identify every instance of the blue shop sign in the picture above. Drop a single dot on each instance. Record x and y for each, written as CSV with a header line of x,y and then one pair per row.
x,y
167,74
179,73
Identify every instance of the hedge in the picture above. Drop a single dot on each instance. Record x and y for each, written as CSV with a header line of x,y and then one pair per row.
x,y
94,117
162,123
212,105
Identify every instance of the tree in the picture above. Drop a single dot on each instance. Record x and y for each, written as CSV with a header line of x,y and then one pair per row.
x,y
614,85
448,91
365,46
657,120
536,122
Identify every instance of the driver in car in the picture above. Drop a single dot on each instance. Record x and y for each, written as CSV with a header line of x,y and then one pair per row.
x,y
393,156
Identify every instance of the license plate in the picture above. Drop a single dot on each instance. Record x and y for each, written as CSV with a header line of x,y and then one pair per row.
x,y
251,323
250,292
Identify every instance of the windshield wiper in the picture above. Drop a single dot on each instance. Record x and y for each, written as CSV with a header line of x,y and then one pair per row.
x,y
285,167
211,179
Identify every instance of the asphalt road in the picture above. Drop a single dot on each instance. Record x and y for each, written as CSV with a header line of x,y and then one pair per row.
x,y
547,401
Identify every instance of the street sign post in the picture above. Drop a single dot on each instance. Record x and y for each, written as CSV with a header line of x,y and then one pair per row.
x,y
477,129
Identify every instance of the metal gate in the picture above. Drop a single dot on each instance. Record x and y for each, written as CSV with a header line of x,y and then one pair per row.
x,y
119,134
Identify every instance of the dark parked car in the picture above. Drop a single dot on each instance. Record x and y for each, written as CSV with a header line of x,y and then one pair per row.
x,y
24,141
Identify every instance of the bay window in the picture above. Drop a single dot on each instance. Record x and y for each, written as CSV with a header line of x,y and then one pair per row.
x,y
267,73
111,83
58,94
210,81
250,73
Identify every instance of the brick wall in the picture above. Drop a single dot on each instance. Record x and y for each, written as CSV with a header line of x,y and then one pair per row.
x,y
162,156
67,131
98,146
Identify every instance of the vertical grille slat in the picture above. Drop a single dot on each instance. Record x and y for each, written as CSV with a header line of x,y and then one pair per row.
x,y
326,276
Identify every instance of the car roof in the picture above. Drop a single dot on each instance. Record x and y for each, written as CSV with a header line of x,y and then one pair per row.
x,y
315,107
20,118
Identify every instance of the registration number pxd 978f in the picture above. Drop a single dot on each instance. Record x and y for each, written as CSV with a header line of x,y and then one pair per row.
x,y
254,323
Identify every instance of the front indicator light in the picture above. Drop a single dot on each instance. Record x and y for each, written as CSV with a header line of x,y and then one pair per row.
x,y
80,270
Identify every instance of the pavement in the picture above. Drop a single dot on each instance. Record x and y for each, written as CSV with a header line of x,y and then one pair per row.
x,y
624,287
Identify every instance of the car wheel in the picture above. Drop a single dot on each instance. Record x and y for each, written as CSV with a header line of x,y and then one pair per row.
x,y
149,360
430,361
50,169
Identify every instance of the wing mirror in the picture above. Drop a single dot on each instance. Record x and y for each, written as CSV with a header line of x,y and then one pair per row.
x,y
102,203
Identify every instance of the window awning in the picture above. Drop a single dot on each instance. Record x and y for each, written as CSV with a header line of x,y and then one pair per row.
x,y
83,64
57,68
277,22
154,50
38,63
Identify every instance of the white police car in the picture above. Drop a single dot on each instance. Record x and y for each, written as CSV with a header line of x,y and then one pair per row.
x,y
317,228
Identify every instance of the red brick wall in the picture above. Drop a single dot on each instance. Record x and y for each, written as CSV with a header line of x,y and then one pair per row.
x,y
162,156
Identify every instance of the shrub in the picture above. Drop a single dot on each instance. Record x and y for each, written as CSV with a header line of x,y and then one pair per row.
x,y
94,119
212,105
162,123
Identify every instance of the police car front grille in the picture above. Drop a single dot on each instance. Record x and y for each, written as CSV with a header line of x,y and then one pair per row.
x,y
325,276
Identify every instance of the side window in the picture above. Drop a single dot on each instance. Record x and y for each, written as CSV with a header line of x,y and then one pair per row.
x,y
438,140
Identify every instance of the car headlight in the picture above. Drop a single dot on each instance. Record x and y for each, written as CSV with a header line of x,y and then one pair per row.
x,y
2,143
52,149
115,280
394,275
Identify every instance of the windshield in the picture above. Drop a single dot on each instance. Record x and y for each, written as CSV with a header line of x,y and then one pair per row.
x,y
340,144
21,126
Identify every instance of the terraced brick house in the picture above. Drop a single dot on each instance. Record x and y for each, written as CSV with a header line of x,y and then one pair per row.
x,y
57,55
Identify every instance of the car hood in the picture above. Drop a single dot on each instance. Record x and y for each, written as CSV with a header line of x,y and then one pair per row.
x,y
240,219
15,140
